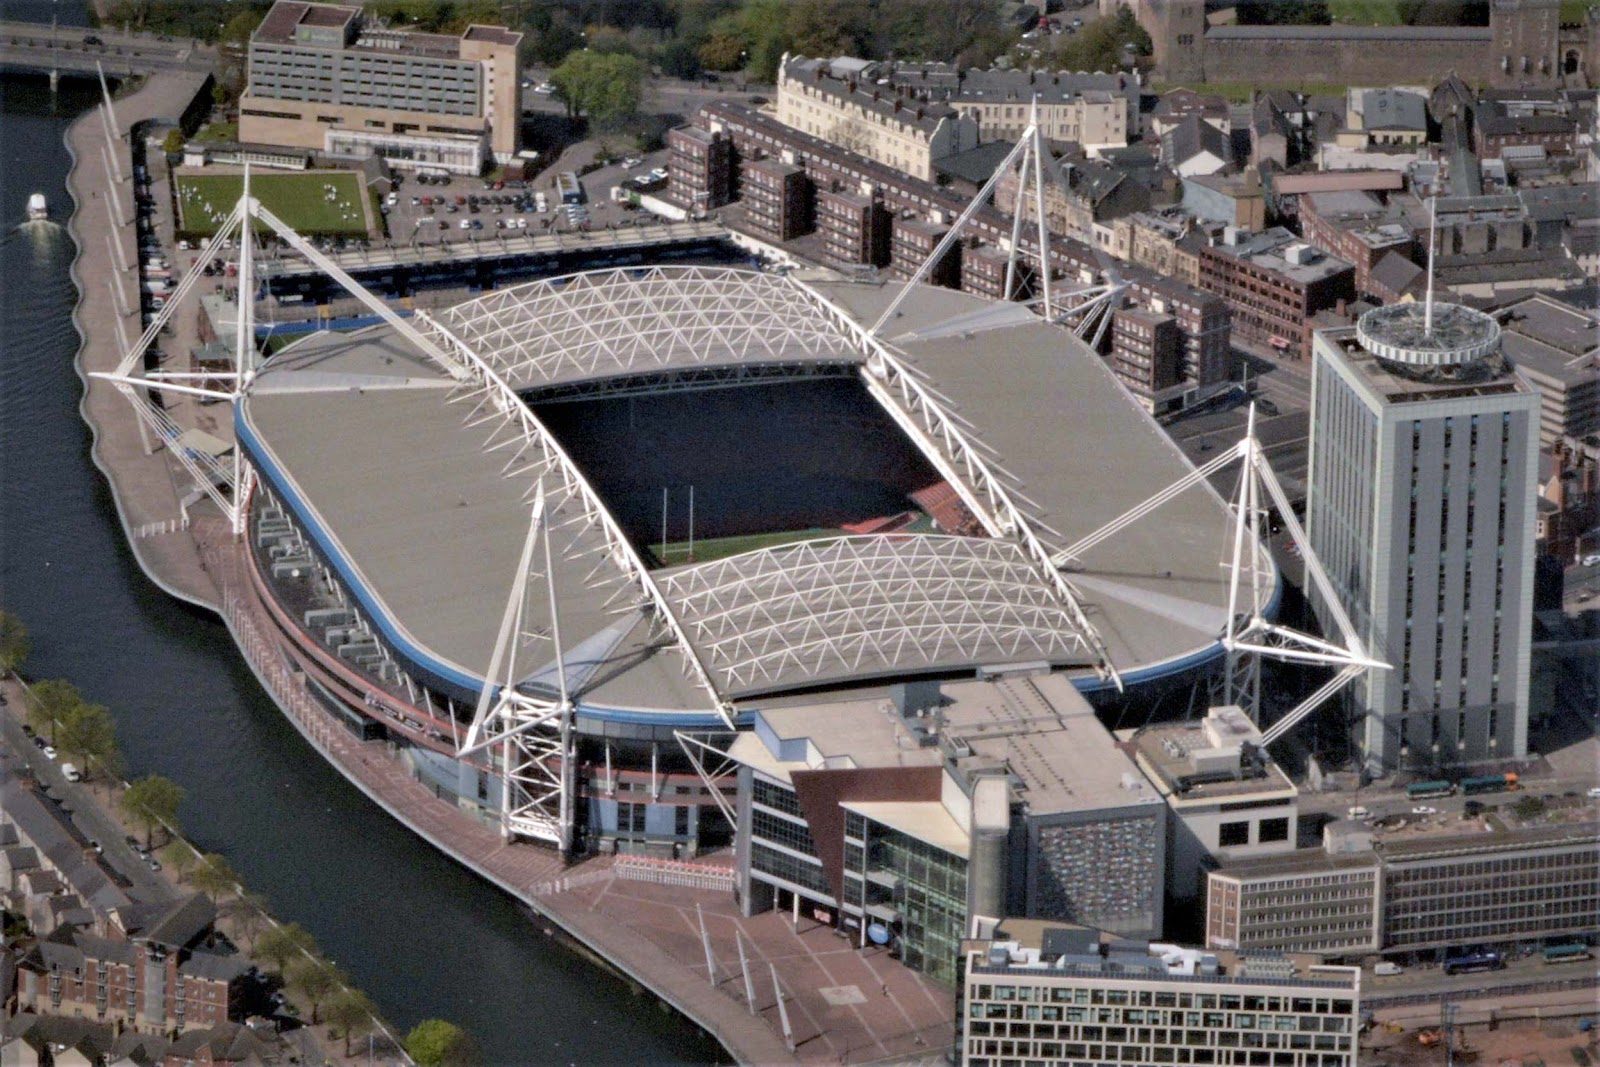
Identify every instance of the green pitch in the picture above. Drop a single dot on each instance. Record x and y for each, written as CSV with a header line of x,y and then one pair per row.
x,y
302,200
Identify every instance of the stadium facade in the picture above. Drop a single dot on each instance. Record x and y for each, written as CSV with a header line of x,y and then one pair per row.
x,y
406,480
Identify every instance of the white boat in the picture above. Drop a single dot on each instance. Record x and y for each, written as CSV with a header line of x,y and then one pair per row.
x,y
37,207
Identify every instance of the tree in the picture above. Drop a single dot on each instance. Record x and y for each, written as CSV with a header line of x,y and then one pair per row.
x,y
1284,13
281,944
437,1043
237,30
88,733
608,88
1103,43
215,877
180,856
352,1013
14,643
679,58
249,915
49,703
1528,808
314,979
152,801
722,51
173,144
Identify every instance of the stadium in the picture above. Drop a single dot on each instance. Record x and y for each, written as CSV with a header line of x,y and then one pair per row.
x,y
535,539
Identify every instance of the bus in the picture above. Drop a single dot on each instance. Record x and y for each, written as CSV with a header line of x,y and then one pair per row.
x,y
1492,783
568,191
1429,790
1478,961
1568,953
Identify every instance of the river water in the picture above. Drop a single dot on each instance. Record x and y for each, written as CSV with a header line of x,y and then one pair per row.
x,y
420,935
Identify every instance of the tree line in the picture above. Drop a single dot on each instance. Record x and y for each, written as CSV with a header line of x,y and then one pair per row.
x,y
85,732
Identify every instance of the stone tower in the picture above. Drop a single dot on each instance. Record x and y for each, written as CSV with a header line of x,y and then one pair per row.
x,y
1523,48
1177,30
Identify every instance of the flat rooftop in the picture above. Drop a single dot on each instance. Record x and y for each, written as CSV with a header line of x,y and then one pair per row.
x,y
1165,751
1046,944
431,544
1491,376
1039,727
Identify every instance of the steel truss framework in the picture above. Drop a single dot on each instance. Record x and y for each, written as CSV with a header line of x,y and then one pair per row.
x,y
865,605
988,490
210,475
613,323
576,509
1249,634
533,734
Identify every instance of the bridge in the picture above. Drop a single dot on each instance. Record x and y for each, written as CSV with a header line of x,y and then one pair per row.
x,y
55,50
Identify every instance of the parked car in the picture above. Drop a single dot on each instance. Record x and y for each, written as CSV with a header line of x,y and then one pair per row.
x,y
1591,560
71,773
1423,809
1357,812
1594,792
1387,968
49,751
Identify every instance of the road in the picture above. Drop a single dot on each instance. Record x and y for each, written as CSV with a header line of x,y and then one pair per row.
x,y
92,822
40,47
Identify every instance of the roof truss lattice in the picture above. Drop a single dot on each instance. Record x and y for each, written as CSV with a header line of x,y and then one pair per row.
x,y
858,606
610,323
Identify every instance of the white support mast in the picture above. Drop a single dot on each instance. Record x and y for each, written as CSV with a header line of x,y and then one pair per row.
x,y
1248,634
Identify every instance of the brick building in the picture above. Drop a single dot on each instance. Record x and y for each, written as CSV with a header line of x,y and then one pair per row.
x,y
699,168
913,241
157,979
854,228
1202,317
1147,355
1274,284
1355,227
777,199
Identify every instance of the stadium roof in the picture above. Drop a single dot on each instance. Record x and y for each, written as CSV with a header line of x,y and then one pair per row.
x,y
418,490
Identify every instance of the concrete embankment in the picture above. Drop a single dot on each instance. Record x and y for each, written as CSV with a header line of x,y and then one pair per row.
x,y
102,226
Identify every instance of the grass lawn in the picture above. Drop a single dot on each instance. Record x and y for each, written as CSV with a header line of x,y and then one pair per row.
x,y
1365,12
219,131
723,547
1573,10
298,199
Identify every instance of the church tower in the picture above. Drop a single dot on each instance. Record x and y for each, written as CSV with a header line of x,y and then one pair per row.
x,y
1523,46
1177,30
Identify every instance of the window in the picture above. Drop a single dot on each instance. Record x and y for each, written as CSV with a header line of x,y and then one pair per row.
x,y
1234,833
1274,830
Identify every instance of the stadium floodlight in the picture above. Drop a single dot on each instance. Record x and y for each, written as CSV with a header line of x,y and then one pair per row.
x,y
1248,634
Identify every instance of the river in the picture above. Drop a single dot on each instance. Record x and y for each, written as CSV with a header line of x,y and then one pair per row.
x,y
420,935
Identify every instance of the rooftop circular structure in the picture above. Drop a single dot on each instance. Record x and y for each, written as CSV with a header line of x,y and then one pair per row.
x,y
1403,334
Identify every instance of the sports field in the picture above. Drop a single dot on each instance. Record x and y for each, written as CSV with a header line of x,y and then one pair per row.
x,y
311,202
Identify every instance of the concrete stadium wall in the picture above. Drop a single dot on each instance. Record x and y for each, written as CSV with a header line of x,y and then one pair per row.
x,y
1289,63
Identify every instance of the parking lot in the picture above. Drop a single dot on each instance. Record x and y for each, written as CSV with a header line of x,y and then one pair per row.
x,y
425,210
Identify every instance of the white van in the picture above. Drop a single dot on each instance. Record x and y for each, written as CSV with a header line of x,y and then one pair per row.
x,y
1387,968
70,770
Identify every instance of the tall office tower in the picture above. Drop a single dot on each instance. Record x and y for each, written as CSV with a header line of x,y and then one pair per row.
x,y
1424,445
328,78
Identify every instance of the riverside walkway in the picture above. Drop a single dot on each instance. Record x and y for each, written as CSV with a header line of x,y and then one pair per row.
x,y
843,1005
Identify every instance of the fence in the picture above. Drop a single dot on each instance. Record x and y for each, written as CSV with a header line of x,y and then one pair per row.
x,y
675,872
